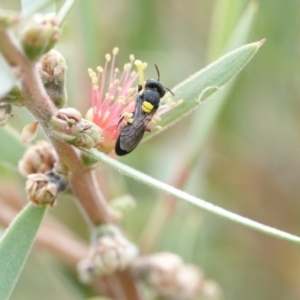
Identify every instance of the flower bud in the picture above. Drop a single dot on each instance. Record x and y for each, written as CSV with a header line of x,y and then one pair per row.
x,y
5,113
89,135
40,35
43,188
40,190
39,158
67,125
53,69
110,252
8,18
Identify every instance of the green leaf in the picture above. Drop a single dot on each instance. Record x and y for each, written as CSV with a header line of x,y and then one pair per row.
x,y
7,78
11,148
206,117
159,185
224,18
54,275
207,81
15,245
29,7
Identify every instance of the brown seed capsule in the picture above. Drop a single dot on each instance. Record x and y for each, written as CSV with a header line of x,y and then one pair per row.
x,y
40,190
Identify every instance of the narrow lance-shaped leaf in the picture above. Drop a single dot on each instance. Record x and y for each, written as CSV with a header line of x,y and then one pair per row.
x,y
219,211
15,245
207,81
205,117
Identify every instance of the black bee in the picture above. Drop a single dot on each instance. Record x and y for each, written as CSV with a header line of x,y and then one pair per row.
x,y
146,105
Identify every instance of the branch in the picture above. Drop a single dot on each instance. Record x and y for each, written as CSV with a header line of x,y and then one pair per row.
x,y
82,181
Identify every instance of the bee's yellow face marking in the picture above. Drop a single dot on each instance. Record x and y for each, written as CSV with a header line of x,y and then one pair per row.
x,y
147,107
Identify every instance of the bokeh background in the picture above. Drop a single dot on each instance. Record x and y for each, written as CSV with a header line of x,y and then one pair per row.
x,y
248,162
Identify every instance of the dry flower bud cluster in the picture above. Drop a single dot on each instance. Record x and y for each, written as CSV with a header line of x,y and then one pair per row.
x,y
110,252
168,276
40,190
39,158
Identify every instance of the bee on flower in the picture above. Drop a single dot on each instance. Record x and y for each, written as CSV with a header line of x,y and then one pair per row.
x,y
123,109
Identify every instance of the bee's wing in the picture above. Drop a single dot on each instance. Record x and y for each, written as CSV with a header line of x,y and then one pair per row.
x,y
132,134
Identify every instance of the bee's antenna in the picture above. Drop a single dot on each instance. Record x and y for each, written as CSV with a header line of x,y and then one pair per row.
x,y
158,75
169,90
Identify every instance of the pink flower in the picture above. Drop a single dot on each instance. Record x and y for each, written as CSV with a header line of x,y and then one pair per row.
x,y
113,96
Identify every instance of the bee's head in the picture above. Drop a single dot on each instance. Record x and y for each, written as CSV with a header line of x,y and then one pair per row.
x,y
155,85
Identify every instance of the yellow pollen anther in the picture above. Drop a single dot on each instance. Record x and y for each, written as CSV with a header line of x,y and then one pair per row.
x,y
121,101
94,79
119,89
100,69
127,67
111,85
90,70
145,65
116,81
95,87
117,70
131,57
158,127
108,57
130,120
111,97
139,66
179,101
115,51
130,91
129,115
106,95
132,73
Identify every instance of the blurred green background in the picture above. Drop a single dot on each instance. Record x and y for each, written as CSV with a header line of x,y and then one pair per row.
x,y
250,161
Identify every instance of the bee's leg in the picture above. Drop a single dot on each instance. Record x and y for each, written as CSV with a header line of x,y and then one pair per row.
x,y
120,120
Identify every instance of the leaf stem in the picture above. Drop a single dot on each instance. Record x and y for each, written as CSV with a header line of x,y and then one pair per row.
x,y
148,180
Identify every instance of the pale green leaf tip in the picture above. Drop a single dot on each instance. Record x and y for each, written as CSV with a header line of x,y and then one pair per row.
x,y
261,42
